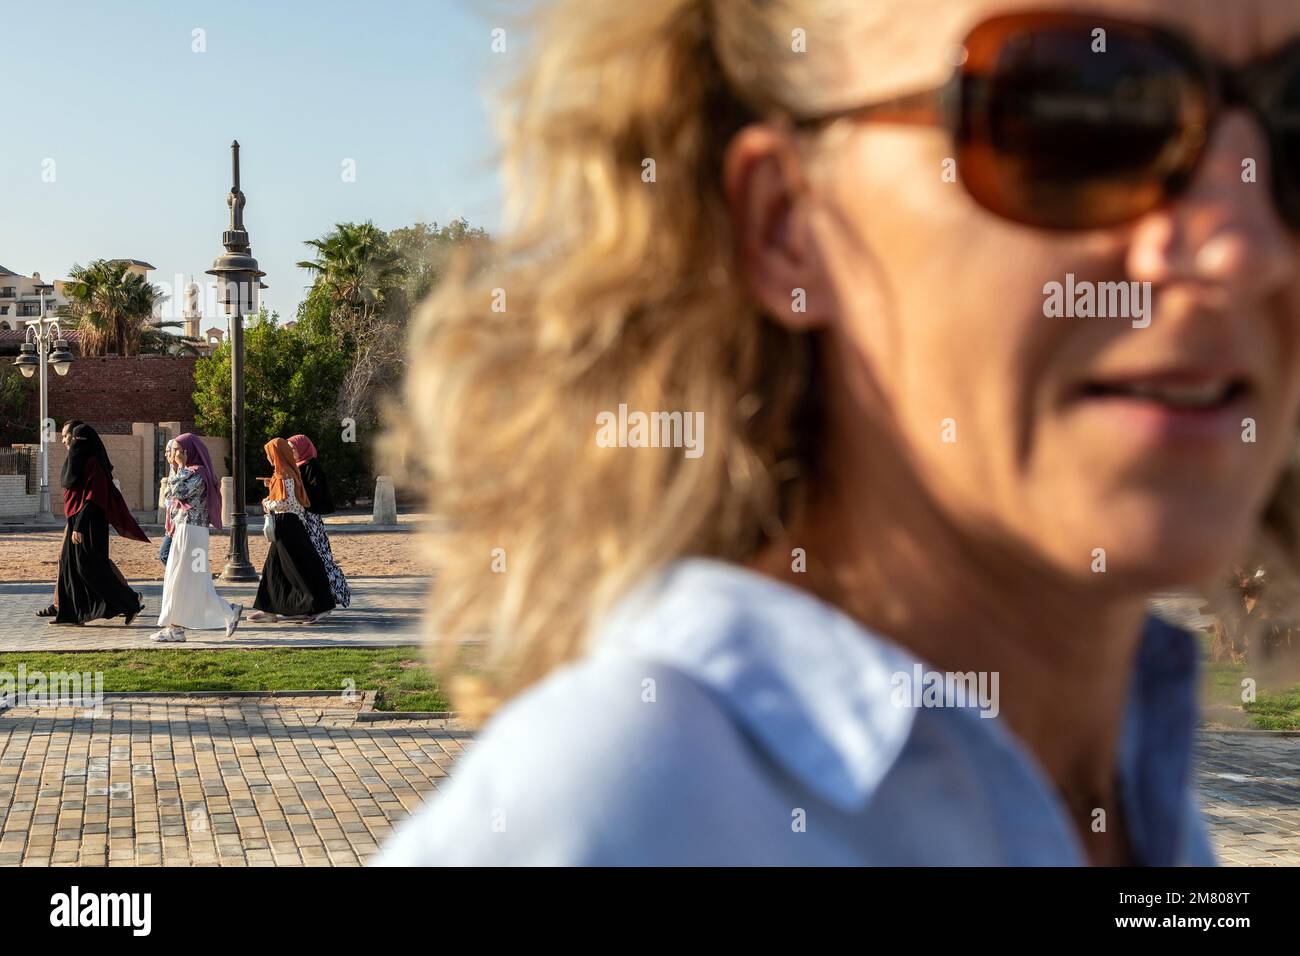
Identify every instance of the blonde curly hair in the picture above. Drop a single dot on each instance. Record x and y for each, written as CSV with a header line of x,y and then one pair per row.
x,y
611,287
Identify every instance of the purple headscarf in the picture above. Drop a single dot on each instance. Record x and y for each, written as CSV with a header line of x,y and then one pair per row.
x,y
196,459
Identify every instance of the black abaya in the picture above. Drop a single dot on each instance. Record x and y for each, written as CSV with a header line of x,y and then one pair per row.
x,y
89,585
317,487
294,582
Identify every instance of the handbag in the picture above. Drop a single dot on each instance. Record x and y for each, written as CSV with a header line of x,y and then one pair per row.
x,y
268,527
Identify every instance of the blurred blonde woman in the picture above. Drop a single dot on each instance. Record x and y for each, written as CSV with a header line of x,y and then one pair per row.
x,y
887,604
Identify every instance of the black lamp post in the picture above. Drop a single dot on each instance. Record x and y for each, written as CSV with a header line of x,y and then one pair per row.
x,y
238,280
44,346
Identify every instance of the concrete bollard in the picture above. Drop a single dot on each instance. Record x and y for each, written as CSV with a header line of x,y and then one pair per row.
x,y
227,498
385,501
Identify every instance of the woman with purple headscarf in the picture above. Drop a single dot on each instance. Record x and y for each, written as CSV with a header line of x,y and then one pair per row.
x,y
193,503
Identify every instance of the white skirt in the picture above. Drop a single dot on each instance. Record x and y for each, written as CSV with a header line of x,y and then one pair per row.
x,y
189,597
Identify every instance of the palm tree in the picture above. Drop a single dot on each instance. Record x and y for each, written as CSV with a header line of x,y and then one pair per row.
x,y
359,269
154,341
361,274
111,306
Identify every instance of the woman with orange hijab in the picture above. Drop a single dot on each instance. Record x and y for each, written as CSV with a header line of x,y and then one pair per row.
x,y
318,490
294,583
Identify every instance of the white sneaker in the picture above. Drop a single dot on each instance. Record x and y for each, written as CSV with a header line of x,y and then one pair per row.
x,y
169,635
233,623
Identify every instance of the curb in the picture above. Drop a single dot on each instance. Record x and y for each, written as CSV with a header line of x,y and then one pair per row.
x,y
366,713
379,716
153,646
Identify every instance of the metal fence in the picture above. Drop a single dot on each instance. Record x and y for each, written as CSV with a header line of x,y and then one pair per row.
x,y
22,461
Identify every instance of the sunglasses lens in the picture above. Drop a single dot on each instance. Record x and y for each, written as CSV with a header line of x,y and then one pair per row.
x,y
1284,128
1067,128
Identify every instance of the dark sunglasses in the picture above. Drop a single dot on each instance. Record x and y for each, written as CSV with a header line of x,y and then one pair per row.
x,y
1049,133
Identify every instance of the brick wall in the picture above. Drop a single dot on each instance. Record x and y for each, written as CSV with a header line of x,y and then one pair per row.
x,y
111,392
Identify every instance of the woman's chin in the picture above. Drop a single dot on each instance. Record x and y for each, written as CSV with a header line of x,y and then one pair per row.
x,y
1189,555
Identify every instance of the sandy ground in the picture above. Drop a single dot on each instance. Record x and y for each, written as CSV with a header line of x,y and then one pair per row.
x,y
35,556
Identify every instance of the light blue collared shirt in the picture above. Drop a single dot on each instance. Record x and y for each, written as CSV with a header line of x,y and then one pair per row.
x,y
722,717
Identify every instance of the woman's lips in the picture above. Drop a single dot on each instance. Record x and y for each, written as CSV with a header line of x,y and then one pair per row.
x,y
1169,407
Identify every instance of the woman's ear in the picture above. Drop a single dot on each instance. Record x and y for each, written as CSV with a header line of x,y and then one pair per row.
x,y
770,206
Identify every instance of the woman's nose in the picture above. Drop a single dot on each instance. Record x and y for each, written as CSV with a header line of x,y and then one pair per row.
x,y
1223,233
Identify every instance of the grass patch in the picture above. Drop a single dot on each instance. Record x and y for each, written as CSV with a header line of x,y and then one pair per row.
x,y
405,683
1272,709
398,674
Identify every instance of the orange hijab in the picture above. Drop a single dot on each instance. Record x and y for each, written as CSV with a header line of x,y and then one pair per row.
x,y
282,456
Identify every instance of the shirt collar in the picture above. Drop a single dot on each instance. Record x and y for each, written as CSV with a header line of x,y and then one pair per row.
x,y
814,687
802,677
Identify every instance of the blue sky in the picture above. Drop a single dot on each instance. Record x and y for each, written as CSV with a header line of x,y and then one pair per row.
x,y
138,126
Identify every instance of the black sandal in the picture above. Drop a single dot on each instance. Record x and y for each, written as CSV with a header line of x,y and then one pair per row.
x,y
51,611
132,616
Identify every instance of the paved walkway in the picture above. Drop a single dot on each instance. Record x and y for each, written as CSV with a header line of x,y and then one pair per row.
x,y
286,782
1250,793
227,781
384,611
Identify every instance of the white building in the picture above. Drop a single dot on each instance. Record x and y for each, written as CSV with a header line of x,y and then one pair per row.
x,y
20,300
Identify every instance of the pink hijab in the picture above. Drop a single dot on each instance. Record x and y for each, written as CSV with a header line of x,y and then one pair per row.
x,y
197,460
303,449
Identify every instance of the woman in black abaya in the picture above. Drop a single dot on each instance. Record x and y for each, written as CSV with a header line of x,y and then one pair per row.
x,y
90,585
294,582
318,490
52,609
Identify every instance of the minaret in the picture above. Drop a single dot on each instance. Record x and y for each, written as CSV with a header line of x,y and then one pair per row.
x,y
193,315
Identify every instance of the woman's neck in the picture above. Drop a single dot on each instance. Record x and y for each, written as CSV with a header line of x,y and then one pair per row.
x,y
878,549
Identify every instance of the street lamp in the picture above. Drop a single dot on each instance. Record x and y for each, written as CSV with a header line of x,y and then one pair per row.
x,y
238,280
45,345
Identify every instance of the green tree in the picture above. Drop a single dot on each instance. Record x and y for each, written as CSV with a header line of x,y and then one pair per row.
x,y
365,284
16,424
111,306
155,341
426,251
360,275
358,269
292,378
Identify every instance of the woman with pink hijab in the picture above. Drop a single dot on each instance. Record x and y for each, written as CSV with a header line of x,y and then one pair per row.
x,y
193,503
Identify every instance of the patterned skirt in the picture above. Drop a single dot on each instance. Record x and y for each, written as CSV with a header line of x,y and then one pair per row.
x,y
321,542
